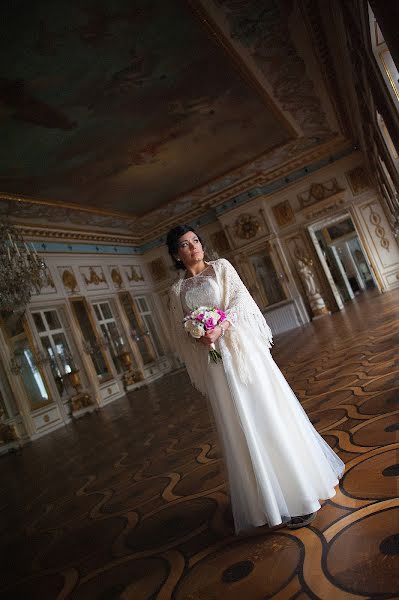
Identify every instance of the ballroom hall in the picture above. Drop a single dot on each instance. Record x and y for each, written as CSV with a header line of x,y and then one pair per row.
x,y
271,129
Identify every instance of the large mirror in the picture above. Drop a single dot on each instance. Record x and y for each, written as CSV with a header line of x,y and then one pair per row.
x,y
90,341
111,332
268,280
8,407
137,328
24,362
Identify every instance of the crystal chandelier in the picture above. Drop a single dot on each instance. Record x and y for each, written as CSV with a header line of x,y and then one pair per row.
x,y
21,269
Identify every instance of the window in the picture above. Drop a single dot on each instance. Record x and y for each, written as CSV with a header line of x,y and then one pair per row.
x,y
111,333
137,329
55,345
384,59
388,140
149,323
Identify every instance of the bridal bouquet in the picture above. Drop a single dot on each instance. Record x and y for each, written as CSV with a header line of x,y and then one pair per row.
x,y
204,319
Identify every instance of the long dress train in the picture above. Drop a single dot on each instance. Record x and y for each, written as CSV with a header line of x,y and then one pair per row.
x,y
278,465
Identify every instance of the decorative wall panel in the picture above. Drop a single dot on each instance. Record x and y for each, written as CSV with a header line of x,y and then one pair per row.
x,y
69,280
94,277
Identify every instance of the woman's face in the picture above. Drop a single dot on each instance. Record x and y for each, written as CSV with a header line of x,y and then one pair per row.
x,y
190,249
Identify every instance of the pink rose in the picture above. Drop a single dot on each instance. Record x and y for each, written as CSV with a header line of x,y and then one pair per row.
x,y
221,314
209,324
200,317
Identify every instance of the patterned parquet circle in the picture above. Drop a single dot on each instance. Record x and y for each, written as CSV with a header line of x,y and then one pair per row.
x,y
131,501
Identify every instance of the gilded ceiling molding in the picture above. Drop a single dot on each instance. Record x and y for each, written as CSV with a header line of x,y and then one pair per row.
x,y
266,168
72,206
23,207
215,192
31,231
214,201
247,183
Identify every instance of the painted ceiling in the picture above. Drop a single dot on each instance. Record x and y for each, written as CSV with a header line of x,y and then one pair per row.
x,y
122,105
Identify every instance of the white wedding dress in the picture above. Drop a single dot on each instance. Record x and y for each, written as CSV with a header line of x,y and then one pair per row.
x,y
278,465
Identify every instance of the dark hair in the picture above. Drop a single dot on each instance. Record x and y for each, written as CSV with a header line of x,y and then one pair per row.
x,y
172,241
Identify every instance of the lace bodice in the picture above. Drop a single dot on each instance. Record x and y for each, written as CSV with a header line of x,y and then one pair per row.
x,y
218,285
200,290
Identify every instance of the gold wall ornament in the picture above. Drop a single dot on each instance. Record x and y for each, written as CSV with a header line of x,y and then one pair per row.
x,y
69,279
116,277
283,213
81,401
246,226
132,376
74,379
318,192
359,180
48,284
94,278
158,269
8,432
379,231
126,358
133,273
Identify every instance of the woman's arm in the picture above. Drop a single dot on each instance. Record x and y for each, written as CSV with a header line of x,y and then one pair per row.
x,y
212,336
239,305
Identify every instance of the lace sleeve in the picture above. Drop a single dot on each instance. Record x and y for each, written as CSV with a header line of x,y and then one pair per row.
x,y
239,304
236,294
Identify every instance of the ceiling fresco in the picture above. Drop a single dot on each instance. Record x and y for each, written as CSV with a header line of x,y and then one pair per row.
x,y
264,29
122,105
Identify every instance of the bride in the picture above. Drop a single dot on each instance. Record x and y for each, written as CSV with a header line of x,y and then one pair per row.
x,y
278,466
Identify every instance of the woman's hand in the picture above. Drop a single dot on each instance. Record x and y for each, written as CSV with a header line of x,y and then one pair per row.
x,y
214,334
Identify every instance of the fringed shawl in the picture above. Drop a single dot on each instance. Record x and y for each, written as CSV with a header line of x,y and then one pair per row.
x,y
240,308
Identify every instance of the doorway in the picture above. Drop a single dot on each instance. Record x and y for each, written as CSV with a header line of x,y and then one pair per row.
x,y
343,258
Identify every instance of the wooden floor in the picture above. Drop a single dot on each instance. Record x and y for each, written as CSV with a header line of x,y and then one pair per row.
x,y
131,503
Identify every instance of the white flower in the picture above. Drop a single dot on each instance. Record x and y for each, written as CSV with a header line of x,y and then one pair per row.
x,y
194,328
198,311
214,315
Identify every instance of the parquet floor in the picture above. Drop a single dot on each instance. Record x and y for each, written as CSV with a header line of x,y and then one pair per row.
x,y
131,502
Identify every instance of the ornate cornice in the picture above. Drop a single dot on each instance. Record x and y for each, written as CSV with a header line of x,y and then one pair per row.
x,y
32,231
258,182
251,186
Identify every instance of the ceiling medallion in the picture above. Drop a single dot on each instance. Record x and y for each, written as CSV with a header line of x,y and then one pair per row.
x,y
246,226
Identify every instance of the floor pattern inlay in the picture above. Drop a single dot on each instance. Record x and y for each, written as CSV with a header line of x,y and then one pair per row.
x,y
131,502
